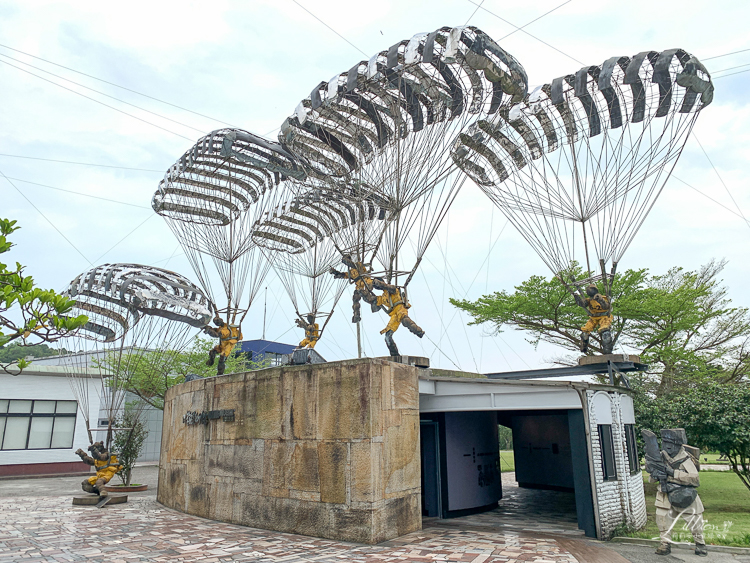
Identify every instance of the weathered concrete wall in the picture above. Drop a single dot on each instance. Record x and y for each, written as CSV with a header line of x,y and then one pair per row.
x,y
328,450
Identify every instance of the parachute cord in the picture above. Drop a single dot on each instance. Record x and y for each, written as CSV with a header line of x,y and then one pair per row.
x,y
443,353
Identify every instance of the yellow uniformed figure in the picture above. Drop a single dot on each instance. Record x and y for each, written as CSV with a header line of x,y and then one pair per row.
x,y
229,336
312,331
358,274
106,467
393,303
600,318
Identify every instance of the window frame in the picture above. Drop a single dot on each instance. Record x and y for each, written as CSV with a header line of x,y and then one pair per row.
x,y
31,415
632,447
607,449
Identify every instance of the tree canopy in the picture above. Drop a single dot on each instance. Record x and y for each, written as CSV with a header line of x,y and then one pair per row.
x,y
29,314
149,373
681,323
715,416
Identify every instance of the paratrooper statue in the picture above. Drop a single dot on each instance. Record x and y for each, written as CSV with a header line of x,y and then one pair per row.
x,y
229,336
106,467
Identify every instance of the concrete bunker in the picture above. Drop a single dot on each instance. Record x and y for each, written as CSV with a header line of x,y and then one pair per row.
x,y
576,439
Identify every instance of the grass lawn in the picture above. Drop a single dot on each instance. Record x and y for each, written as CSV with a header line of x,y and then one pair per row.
x,y
713,459
727,510
507,462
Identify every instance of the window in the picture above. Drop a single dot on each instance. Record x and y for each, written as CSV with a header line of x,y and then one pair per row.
x,y
37,425
608,452
635,466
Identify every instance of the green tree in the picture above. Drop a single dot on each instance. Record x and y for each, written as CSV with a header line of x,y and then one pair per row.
x,y
717,418
149,373
28,313
14,352
128,443
681,323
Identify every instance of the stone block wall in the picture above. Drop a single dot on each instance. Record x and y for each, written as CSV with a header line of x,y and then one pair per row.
x,y
328,450
621,500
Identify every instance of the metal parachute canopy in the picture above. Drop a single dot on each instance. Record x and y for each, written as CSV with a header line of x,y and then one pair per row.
x,y
140,319
210,199
578,164
305,236
386,126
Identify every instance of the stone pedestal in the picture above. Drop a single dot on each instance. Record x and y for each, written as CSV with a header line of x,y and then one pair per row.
x,y
328,450
94,500
417,361
604,358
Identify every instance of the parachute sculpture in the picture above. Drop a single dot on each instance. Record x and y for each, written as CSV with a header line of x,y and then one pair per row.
x,y
140,318
578,164
211,197
387,124
385,128
305,237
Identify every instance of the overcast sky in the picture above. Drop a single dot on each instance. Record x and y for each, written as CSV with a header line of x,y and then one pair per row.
x,y
248,64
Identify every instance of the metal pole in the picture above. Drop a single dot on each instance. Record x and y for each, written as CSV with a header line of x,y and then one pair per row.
x,y
359,343
265,304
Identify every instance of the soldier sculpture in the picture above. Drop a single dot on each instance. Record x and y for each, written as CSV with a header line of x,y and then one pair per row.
x,y
600,316
674,468
229,336
106,467
312,331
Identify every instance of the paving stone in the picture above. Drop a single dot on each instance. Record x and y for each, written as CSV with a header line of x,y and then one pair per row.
x,y
50,529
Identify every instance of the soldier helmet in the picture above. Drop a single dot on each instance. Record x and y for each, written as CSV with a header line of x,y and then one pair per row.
x,y
96,446
311,318
591,290
674,435
218,321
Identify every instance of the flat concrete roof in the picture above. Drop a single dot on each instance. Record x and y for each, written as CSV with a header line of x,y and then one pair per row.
x,y
457,394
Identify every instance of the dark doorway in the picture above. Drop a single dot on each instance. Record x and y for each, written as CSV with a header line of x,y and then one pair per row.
x,y
430,448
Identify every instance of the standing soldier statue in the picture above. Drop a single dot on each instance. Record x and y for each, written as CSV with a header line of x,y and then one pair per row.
x,y
312,331
396,305
674,468
600,316
228,336
106,466
358,274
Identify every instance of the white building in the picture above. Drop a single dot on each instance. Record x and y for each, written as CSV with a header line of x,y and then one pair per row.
x,y
41,425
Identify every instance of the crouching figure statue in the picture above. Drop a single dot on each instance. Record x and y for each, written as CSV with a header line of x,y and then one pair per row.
x,y
106,467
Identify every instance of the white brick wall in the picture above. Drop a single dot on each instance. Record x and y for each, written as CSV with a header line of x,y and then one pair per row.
x,y
620,501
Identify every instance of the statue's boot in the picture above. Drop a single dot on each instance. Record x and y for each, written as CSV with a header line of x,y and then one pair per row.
x,y
584,342
392,348
100,487
222,365
606,337
211,357
700,549
664,549
412,326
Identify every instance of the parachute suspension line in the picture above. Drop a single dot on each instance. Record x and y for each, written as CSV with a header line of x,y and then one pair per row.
x,y
577,181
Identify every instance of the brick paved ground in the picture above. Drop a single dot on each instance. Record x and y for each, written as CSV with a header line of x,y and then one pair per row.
x,y
50,529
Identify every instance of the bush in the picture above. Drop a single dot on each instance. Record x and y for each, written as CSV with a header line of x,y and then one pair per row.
x,y
129,443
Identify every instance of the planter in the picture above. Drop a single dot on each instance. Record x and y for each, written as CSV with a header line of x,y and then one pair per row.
x,y
124,489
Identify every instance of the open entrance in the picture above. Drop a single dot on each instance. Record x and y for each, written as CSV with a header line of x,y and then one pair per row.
x,y
549,489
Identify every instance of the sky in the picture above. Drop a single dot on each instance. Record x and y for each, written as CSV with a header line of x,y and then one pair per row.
x,y
191,67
